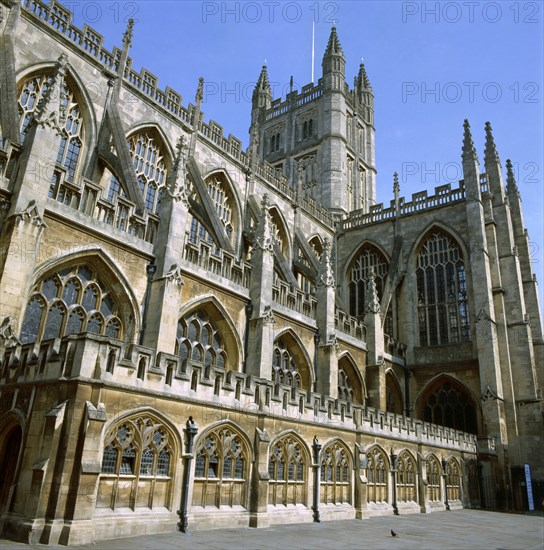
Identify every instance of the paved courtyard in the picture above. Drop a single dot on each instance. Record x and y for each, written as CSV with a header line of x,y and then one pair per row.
x,y
467,529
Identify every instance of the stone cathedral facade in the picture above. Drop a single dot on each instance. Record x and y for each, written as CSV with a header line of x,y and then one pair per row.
x,y
244,336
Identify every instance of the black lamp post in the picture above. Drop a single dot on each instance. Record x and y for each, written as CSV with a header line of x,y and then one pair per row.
x,y
394,470
445,474
316,357
190,432
316,448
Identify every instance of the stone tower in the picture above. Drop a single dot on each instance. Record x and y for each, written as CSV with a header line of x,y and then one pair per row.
x,y
321,138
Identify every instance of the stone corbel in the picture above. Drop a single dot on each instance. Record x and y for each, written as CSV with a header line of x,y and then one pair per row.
x,y
174,275
268,316
490,393
30,214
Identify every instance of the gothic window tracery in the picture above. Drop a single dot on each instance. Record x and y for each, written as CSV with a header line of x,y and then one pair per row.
x,y
453,479
221,469
71,301
449,406
137,464
199,340
275,142
287,472
406,478
69,152
284,367
377,474
433,478
307,170
223,203
442,292
394,400
335,486
150,167
307,129
368,258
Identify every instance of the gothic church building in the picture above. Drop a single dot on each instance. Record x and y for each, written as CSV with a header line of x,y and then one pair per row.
x,y
199,335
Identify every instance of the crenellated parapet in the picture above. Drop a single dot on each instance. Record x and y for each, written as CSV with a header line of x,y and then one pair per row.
x,y
95,359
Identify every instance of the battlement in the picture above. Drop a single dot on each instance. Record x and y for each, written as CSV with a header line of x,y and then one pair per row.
x,y
443,195
91,357
91,44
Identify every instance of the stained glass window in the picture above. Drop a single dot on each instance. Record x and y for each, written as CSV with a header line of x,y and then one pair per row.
x,y
82,293
441,292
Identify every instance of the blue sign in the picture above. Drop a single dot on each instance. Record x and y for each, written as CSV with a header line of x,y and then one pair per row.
x,y
529,488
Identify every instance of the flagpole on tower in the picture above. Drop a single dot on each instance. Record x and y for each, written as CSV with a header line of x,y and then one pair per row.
x,y
313,47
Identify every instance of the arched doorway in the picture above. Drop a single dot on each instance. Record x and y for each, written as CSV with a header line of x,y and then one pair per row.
x,y
10,447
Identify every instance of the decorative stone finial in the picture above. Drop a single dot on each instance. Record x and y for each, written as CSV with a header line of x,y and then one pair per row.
x,y
363,81
396,186
491,154
264,239
199,96
373,303
511,185
175,187
333,46
326,273
127,37
263,83
51,109
469,151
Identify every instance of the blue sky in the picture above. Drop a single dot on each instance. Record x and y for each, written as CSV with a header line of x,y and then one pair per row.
x,y
431,66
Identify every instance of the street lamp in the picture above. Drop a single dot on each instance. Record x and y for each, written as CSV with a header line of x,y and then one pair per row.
x,y
394,470
445,475
190,432
316,448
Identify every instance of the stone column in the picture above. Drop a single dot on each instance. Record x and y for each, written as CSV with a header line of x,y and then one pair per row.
x,y
78,527
485,324
327,360
165,289
22,231
261,324
258,502
422,482
40,476
361,480
375,345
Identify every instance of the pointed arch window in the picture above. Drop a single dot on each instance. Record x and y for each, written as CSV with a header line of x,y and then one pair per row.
x,y
393,394
222,202
136,465
406,478
288,366
450,406
345,390
150,166
275,142
368,258
377,474
71,301
433,479
441,292
29,94
287,470
335,486
453,479
221,470
200,339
